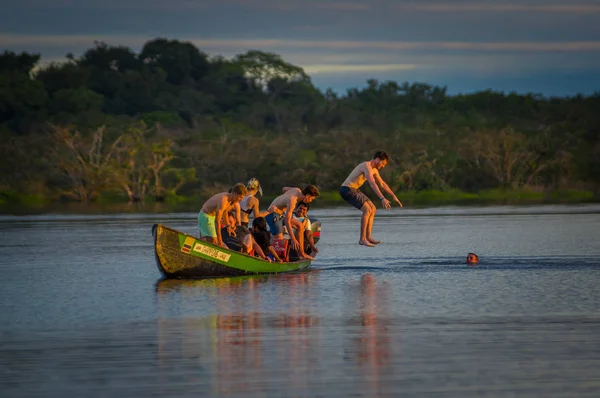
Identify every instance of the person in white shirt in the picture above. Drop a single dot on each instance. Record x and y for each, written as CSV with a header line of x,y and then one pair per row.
x,y
300,214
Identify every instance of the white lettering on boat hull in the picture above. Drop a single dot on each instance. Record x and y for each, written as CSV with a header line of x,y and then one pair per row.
x,y
210,252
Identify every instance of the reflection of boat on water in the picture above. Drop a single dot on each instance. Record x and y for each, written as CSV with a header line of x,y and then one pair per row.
x,y
269,335
229,293
235,344
179,255
166,285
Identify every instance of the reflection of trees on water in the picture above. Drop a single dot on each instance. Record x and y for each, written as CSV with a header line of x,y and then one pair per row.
x,y
228,349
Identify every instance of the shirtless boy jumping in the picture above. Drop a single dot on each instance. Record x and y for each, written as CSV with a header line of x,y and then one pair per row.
x,y
278,216
367,171
214,209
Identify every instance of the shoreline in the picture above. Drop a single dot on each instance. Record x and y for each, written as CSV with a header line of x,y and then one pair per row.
x,y
327,199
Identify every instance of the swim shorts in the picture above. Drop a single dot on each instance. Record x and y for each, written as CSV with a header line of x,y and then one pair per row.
x,y
353,196
275,223
206,224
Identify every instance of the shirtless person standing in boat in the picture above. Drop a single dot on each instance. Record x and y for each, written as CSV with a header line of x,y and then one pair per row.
x,y
367,171
278,216
214,209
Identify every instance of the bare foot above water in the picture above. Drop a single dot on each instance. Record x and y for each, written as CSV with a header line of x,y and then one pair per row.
x,y
365,242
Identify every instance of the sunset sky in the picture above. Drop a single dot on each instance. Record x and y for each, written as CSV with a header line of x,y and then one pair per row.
x,y
549,47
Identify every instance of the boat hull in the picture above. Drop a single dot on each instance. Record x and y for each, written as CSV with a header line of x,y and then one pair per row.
x,y
179,255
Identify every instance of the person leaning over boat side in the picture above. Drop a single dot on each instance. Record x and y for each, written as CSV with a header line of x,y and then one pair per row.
x,y
249,203
214,209
263,238
367,171
287,201
301,214
239,239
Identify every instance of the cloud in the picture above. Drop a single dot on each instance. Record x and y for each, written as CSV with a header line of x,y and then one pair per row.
x,y
499,6
341,68
141,5
309,20
10,40
312,5
178,5
273,44
423,39
580,7
327,58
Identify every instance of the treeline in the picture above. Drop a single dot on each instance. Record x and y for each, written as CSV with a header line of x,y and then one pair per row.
x,y
172,120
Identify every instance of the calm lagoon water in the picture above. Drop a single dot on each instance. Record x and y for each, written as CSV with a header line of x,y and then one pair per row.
x,y
85,313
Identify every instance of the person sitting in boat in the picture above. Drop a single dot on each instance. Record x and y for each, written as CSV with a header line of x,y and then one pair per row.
x,y
301,214
249,203
287,201
239,239
263,238
214,210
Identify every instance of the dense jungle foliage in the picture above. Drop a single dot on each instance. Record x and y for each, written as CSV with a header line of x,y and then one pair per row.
x,y
172,122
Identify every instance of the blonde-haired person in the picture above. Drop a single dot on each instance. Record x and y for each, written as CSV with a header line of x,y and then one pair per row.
x,y
249,203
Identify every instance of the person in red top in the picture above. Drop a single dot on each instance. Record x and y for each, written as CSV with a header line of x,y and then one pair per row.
x,y
263,238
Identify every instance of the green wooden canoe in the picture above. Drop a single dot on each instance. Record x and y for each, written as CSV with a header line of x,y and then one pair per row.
x,y
179,255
